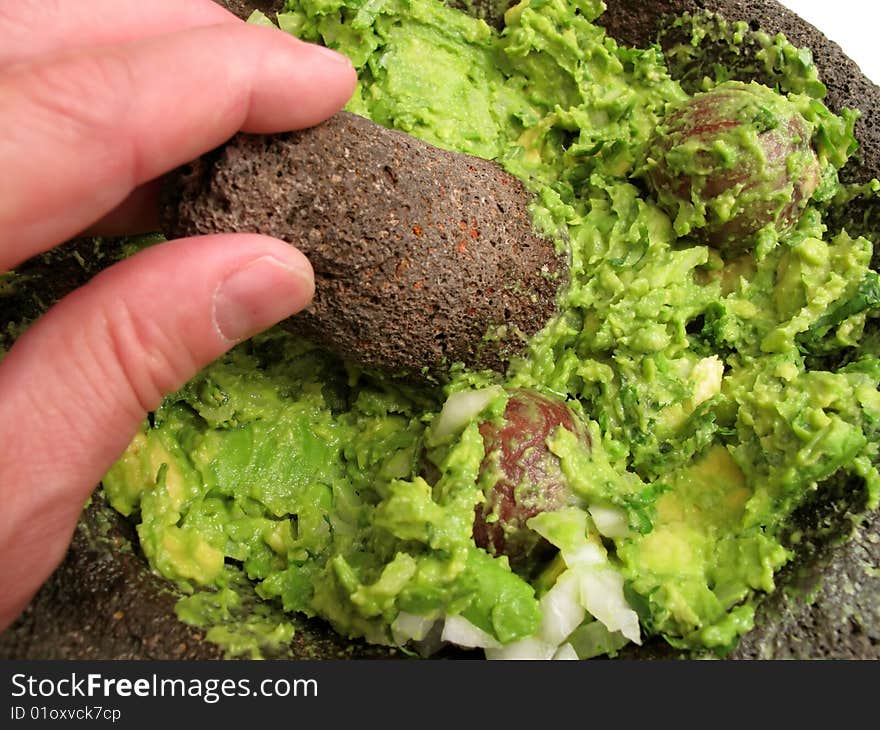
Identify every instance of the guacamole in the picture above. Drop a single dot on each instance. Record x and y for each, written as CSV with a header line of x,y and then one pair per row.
x,y
711,390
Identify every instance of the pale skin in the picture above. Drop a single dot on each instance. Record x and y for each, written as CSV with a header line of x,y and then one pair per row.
x,y
100,98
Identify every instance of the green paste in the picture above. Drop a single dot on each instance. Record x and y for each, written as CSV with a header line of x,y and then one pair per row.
x,y
720,391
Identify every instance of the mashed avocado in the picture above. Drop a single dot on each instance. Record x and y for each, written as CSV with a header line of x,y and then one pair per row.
x,y
720,388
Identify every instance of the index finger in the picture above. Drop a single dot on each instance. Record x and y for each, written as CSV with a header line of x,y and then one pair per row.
x,y
32,28
84,129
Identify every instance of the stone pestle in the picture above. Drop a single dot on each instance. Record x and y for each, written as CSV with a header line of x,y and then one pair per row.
x,y
423,257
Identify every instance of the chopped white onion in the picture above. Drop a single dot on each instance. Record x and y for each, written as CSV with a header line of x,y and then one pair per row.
x,y
408,626
566,651
588,554
707,376
602,595
432,643
530,648
561,610
458,630
610,521
460,408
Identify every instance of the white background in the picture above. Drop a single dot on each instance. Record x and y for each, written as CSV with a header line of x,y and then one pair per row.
x,y
849,23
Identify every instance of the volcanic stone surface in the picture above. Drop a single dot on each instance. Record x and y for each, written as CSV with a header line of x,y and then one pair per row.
x,y
243,8
418,252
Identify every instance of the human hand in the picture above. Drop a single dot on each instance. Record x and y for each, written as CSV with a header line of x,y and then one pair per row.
x,y
101,97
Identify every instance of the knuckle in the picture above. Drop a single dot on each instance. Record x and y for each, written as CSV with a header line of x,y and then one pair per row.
x,y
21,17
80,96
151,361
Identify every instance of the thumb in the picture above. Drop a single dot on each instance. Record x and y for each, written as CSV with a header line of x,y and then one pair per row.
x,y
76,386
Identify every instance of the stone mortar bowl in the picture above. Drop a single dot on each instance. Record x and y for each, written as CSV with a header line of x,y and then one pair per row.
x,y
103,602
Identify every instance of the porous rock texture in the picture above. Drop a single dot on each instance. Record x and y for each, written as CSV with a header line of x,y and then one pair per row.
x,y
419,253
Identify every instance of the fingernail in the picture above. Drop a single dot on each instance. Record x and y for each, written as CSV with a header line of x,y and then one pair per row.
x,y
332,55
260,294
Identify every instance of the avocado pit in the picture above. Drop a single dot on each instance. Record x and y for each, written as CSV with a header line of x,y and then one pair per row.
x,y
524,477
731,161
